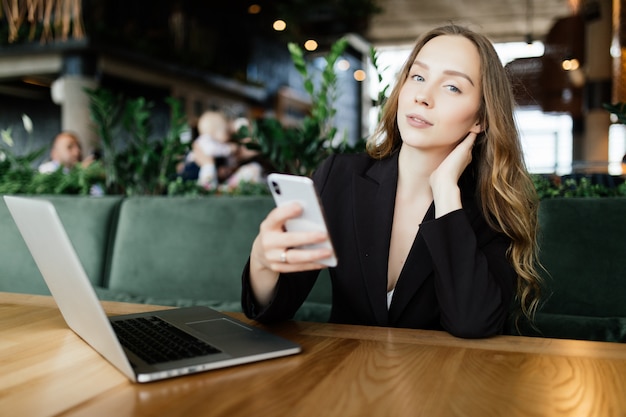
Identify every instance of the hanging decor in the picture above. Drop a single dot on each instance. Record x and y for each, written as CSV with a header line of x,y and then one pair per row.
x,y
51,20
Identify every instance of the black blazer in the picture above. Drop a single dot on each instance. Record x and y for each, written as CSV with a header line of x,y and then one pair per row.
x,y
457,276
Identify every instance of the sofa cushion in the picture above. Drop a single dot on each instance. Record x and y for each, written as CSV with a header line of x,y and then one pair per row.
x,y
87,220
566,326
582,247
107,294
310,311
173,248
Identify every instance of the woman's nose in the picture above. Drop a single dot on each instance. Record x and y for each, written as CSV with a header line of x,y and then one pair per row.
x,y
423,97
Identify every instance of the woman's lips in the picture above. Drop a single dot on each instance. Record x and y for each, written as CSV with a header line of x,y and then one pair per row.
x,y
416,120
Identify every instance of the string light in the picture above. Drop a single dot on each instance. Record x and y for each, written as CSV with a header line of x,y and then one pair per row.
x,y
343,65
359,75
279,25
310,45
570,64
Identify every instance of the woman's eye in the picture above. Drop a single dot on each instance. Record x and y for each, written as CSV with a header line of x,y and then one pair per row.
x,y
453,89
417,77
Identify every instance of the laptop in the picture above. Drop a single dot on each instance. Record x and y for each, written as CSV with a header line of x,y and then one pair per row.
x,y
204,338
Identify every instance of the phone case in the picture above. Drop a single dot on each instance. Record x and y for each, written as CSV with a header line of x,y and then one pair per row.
x,y
289,188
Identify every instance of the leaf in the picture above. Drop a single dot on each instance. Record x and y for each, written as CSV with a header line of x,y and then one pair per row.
x,y
6,136
28,123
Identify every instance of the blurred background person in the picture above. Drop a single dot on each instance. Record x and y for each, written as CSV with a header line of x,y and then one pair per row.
x,y
249,165
65,153
211,148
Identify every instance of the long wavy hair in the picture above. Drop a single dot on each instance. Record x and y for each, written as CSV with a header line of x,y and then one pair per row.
x,y
506,192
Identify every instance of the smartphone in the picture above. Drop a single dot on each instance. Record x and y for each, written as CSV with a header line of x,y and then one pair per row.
x,y
294,188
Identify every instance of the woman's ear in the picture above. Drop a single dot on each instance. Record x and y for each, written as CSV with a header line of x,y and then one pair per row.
x,y
477,128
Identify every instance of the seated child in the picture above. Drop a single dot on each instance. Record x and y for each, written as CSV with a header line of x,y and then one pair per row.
x,y
211,145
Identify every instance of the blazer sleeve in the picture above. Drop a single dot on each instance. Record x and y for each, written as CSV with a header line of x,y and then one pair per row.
x,y
474,282
293,288
291,291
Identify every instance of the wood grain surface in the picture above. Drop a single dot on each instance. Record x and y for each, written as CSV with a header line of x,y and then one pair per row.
x,y
46,370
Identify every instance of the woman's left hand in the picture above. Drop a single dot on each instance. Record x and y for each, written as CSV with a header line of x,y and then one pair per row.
x,y
444,180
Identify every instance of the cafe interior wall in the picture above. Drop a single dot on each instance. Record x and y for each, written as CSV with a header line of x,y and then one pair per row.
x,y
583,40
259,67
161,48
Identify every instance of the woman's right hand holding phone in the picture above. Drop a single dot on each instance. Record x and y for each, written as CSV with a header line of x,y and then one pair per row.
x,y
276,250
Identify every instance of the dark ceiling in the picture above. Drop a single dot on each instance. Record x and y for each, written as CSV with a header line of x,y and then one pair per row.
x,y
401,21
380,22
222,36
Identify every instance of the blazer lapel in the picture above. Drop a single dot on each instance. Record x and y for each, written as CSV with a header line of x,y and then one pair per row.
x,y
417,267
374,195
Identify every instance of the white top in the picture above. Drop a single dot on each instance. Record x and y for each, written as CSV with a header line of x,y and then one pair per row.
x,y
212,147
389,297
49,167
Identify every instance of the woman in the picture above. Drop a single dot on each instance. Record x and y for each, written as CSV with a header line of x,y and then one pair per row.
x,y
435,227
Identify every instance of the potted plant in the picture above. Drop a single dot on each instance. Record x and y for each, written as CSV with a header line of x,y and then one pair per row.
x,y
133,162
300,149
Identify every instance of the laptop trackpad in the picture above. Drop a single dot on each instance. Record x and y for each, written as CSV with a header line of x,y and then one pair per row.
x,y
217,327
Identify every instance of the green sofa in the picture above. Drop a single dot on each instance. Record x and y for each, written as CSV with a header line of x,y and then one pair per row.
x,y
184,251
583,249
175,251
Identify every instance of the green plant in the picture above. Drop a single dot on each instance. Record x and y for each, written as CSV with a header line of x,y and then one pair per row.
x,y
300,149
381,98
556,187
18,176
16,172
133,161
78,180
322,111
618,109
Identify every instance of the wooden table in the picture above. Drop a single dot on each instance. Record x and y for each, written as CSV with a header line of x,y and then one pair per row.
x,y
45,370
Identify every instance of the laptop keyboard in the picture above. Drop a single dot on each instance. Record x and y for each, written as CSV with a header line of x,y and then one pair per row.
x,y
154,340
